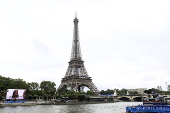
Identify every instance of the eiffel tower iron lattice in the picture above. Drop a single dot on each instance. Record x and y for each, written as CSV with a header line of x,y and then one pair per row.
x,y
76,77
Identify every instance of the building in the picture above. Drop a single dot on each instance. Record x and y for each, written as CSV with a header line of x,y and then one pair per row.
x,y
159,88
139,90
168,88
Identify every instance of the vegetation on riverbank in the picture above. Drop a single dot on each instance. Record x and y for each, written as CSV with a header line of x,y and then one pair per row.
x,y
119,92
47,90
150,91
33,89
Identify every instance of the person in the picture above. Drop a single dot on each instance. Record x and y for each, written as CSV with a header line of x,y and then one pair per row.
x,y
15,94
24,95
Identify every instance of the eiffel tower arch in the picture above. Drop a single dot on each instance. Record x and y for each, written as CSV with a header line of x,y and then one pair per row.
x,y
76,77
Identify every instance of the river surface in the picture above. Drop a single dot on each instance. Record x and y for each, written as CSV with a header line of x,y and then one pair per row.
x,y
117,107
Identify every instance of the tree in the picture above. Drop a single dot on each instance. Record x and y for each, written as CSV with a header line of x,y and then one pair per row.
x,y
63,90
35,97
8,83
18,84
81,96
107,92
76,94
33,86
65,95
90,93
71,92
29,96
122,92
5,83
48,87
0,97
148,91
102,92
133,92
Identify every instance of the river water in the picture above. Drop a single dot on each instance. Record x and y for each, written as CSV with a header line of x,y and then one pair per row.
x,y
117,107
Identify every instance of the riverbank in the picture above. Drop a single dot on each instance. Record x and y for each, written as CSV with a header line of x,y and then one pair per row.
x,y
17,104
52,103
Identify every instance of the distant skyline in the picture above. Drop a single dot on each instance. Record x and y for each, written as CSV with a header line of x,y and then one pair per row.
x,y
124,44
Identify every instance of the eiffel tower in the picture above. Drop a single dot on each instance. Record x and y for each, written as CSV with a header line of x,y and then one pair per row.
x,y
76,77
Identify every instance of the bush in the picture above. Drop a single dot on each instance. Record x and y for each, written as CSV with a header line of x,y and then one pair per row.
x,y
30,97
45,97
35,96
49,96
81,96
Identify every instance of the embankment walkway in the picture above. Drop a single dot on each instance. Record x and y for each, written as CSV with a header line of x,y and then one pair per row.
x,y
52,103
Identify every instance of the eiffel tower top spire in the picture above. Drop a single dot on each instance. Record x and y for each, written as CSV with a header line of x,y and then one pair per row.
x,y
76,51
75,15
76,66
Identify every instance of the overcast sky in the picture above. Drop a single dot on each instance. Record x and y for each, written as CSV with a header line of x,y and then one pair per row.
x,y
124,43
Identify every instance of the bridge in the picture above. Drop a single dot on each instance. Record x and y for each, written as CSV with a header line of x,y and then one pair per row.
x,y
134,97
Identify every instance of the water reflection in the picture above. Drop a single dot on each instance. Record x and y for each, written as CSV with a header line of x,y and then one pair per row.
x,y
118,107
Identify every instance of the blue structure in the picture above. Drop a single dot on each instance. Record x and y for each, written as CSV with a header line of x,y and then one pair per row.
x,y
109,95
17,101
149,109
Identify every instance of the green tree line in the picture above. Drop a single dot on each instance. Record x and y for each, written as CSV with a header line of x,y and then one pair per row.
x,y
124,92
119,92
150,91
33,89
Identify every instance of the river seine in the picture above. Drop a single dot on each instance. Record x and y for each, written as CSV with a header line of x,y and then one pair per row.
x,y
117,107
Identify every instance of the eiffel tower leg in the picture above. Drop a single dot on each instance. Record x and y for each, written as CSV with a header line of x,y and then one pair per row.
x,y
79,89
82,88
93,88
61,85
88,84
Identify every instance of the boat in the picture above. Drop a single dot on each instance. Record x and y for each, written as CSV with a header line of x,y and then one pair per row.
x,y
152,103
